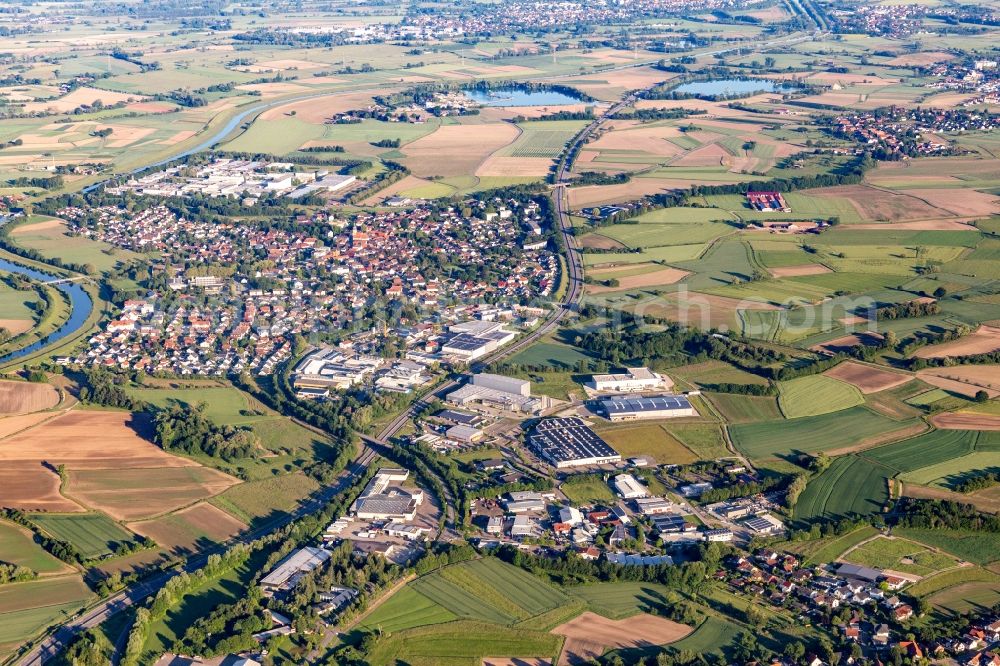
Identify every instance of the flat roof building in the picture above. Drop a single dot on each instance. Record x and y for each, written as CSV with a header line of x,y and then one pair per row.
x,y
381,500
628,487
465,434
290,570
764,524
633,379
631,408
569,442
499,392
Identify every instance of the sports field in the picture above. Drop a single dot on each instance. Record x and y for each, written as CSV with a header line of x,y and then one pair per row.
x,y
825,497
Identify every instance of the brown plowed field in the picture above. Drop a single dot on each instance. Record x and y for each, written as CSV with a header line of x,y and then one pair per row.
x,y
867,378
24,397
590,635
966,421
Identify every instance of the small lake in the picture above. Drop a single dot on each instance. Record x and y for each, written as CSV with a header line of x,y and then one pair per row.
x,y
521,97
730,87
80,307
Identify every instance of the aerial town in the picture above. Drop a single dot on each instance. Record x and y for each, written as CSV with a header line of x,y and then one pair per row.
x,y
509,333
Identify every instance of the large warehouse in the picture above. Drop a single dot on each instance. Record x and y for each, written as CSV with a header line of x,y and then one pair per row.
x,y
569,442
633,379
631,408
497,391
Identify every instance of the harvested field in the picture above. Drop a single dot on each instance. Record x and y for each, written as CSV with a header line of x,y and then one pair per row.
x,y
919,225
656,278
966,421
846,342
457,150
589,195
590,635
600,242
831,78
984,376
945,382
89,440
318,109
644,139
130,494
515,167
79,97
925,58
188,529
24,397
964,202
867,378
984,340
876,204
711,155
798,271
30,486
515,661
16,326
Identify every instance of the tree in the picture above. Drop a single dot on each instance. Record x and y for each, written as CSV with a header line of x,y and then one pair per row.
x,y
982,396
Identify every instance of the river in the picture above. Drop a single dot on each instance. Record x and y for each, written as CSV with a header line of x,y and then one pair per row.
x,y
80,307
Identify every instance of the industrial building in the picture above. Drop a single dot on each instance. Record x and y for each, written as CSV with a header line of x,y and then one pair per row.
x,y
569,442
499,392
464,434
384,499
764,524
476,338
628,487
290,570
330,368
633,379
632,408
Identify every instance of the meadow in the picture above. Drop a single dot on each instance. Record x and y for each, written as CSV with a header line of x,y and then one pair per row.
x,y
587,490
28,607
266,498
18,547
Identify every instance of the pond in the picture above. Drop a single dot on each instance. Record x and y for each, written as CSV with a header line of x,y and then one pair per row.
x,y
730,87
519,96
79,300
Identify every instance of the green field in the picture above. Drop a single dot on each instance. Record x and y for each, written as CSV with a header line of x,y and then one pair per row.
x,y
543,139
704,440
488,590
405,610
647,439
826,495
223,405
93,534
622,599
27,608
828,549
17,546
16,304
711,636
587,490
55,242
928,449
900,555
736,408
462,643
975,547
265,498
811,434
815,395
550,354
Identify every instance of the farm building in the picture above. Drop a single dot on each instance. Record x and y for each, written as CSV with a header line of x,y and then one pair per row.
x,y
291,569
768,202
497,391
628,487
623,408
633,379
569,442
